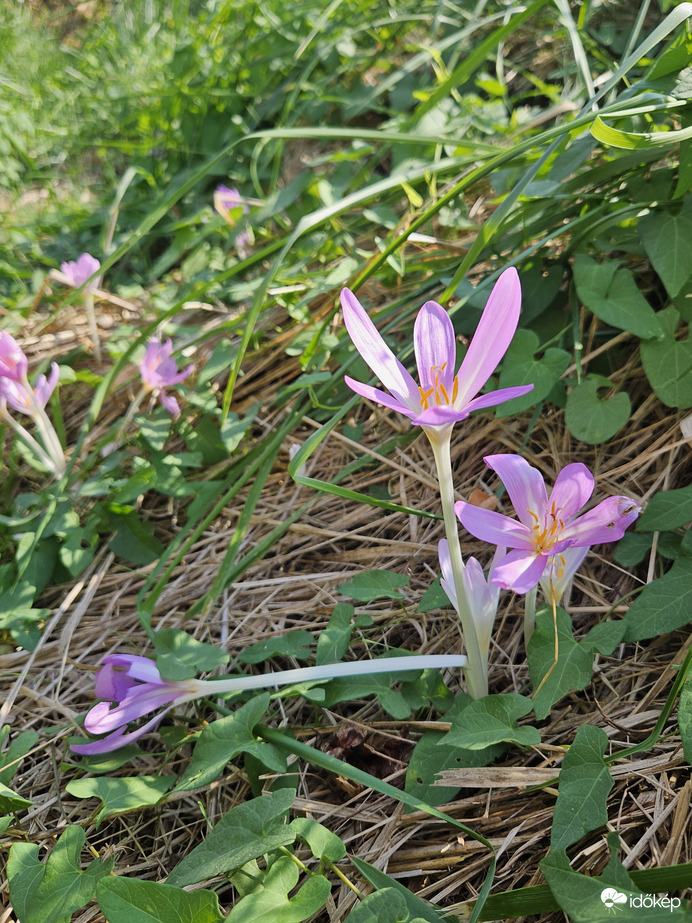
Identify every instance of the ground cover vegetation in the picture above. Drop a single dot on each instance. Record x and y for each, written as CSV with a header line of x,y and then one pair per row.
x,y
211,544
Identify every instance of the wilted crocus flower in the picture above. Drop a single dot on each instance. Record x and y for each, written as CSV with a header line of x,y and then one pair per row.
x,y
80,270
159,371
132,687
547,526
443,397
225,200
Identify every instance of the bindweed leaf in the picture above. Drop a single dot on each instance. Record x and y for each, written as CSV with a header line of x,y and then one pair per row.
x,y
668,509
611,293
417,910
245,833
180,656
664,605
52,892
154,428
20,746
666,239
322,842
293,644
433,598
134,540
333,642
685,717
594,419
492,720
269,902
584,786
10,801
225,739
632,548
552,679
522,365
127,900
668,363
121,794
374,584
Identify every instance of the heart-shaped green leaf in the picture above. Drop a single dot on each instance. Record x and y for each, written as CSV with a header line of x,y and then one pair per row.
x,y
592,419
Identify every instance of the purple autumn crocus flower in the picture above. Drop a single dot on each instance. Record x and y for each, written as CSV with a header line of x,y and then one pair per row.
x,y
159,371
225,200
19,394
132,687
80,270
548,525
442,397
13,362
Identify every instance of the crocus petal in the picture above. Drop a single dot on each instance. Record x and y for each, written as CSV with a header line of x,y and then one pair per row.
x,y
434,344
560,570
137,667
492,337
447,579
492,398
438,416
112,684
519,571
82,269
367,340
118,738
379,397
606,522
16,395
493,527
45,386
573,488
525,486
13,362
170,403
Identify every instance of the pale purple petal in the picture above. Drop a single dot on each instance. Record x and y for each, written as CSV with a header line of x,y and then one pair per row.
x,y
560,571
492,398
573,488
140,700
16,395
519,571
493,527
118,738
45,386
369,343
435,348
493,336
82,269
139,668
606,522
525,486
378,396
438,416
13,362
170,403
447,579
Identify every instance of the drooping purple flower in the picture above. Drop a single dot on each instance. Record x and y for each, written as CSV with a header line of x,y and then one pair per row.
x,y
547,525
80,270
159,371
226,199
132,687
442,397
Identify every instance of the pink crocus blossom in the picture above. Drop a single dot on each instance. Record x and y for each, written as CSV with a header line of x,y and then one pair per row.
x,y
80,270
547,525
442,397
132,688
226,199
482,594
159,371
13,362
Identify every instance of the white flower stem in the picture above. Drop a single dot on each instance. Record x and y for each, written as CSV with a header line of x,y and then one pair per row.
x,y
328,671
93,328
28,440
477,669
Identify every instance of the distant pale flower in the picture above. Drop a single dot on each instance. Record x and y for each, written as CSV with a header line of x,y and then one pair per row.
x,y
483,595
159,371
132,688
442,397
225,200
82,269
547,526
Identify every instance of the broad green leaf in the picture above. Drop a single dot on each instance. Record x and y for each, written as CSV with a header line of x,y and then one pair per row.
x,y
52,892
121,794
604,637
293,644
323,843
101,763
666,239
180,656
632,549
433,598
269,901
385,906
134,540
399,704
593,419
668,509
664,605
574,661
492,720
11,758
127,900
417,908
685,717
333,642
668,363
584,786
10,801
154,427
522,366
374,584
612,295
246,832
225,739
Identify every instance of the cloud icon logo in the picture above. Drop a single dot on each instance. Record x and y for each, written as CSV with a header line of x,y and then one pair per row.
x,y
611,897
